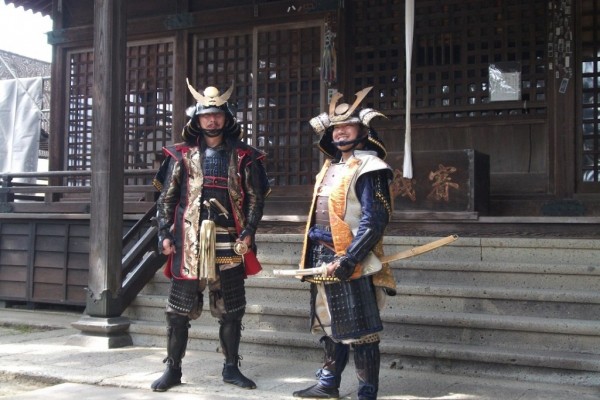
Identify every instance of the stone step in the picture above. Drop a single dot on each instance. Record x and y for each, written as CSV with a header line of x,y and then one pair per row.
x,y
204,336
522,308
510,331
427,296
561,277
280,316
491,292
551,365
498,301
525,365
285,249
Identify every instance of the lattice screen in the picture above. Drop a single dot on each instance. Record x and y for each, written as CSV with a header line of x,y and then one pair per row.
x,y
148,112
79,119
288,88
590,84
276,94
223,60
454,44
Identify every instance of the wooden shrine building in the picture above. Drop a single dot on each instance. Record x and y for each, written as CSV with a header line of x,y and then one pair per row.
x,y
541,138
505,116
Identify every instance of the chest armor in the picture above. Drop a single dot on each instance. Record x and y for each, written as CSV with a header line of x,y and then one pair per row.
x,y
332,176
215,165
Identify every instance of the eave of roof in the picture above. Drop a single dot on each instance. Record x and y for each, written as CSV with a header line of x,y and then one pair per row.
x,y
44,7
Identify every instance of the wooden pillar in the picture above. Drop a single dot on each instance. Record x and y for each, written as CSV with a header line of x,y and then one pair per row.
x,y
58,136
106,223
104,327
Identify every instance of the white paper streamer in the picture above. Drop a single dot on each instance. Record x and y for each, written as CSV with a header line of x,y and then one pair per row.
x,y
409,22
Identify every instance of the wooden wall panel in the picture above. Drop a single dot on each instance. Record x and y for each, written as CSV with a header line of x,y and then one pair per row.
x,y
76,294
78,244
47,275
78,260
12,257
51,259
77,277
47,262
12,290
12,273
517,150
47,292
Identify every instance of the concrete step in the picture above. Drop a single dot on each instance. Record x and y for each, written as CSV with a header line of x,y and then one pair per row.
x,y
526,365
285,249
280,316
435,295
508,331
204,336
522,308
530,364
497,301
560,277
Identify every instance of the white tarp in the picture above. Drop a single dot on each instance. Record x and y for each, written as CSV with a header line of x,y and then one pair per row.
x,y
20,102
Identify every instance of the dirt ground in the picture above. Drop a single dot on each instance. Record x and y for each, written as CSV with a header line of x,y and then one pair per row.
x,y
14,384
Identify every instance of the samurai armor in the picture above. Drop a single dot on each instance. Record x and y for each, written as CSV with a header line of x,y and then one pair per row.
x,y
353,308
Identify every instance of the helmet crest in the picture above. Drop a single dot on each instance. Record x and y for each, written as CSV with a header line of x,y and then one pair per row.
x,y
211,97
345,113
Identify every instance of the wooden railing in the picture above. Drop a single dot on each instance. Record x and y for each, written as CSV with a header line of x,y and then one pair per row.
x,y
140,259
56,195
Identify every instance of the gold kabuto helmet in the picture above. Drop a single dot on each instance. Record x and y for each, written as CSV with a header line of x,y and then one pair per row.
x,y
345,113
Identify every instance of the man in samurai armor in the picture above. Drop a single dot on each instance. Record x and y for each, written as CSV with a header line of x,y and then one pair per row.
x,y
350,210
212,192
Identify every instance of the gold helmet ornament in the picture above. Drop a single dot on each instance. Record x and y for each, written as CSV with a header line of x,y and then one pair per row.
x,y
211,101
345,113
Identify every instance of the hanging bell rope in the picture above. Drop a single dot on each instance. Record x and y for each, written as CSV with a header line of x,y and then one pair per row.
x,y
409,22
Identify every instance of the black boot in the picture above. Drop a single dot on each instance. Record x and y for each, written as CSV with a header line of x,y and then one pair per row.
x,y
330,376
177,336
366,362
230,333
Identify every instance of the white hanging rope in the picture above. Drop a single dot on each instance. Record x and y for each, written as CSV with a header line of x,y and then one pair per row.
x,y
409,23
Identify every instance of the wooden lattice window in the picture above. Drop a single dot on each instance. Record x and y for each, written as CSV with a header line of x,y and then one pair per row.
x,y
79,119
224,60
455,42
288,96
277,81
589,149
148,110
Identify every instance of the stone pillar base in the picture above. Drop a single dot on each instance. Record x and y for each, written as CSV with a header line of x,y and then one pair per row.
x,y
101,333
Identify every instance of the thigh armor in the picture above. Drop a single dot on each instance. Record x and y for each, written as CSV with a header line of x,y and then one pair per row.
x,y
353,308
232,289
184,295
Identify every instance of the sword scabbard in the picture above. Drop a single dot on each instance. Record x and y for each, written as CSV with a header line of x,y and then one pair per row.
x,y
301,272
415,251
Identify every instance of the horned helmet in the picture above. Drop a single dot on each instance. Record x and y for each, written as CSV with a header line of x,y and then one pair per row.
x,y
345,113
212,101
